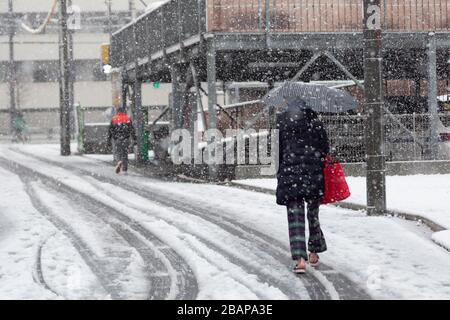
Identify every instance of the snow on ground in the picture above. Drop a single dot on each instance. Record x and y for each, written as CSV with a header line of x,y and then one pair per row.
x,y
64,275
218,278
379,252
23,230
389,258
423,195
102,241
442,238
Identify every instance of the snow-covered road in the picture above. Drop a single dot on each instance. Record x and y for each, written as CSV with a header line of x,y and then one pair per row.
x,y
70,228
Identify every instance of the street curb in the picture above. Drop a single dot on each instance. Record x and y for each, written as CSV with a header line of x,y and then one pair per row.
x,y
435,227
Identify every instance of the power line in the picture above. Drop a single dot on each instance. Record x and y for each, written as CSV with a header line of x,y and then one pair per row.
x,y
143,3
46,21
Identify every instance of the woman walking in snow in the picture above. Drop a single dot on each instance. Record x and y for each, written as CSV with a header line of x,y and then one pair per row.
x,y
302,148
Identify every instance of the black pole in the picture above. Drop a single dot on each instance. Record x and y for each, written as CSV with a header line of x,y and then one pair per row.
x,y
65,81
374,104
12,68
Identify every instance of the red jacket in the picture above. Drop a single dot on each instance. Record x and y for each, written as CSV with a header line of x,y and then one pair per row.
x,y
121,127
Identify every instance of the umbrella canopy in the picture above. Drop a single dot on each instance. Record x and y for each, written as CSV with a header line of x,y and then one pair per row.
x,y
317,97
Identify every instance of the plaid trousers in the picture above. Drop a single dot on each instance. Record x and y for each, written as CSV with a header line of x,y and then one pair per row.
x,y
296,220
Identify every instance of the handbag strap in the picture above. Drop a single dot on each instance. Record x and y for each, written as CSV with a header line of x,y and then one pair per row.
x,y
328,159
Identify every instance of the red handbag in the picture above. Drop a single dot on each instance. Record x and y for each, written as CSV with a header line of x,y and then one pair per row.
x,y
335,186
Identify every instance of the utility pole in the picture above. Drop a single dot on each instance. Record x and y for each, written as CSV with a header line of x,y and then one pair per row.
x,y
64,80
71,78
116,83
132,7
109,6
12,79
374,108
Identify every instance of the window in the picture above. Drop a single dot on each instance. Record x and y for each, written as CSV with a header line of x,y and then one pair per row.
x,y
45,71
89,70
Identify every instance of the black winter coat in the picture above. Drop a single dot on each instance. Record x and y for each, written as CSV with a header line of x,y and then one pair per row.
x,y
121,128
303,145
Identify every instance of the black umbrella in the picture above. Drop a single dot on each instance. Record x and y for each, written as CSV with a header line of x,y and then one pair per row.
x,y
317,97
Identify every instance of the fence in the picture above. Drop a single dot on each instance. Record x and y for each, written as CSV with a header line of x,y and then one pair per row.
x,y
406,135
39,122
406,142
44,123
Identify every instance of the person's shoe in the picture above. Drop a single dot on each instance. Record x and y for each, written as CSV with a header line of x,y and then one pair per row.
x,y
300,267
118,167
313,259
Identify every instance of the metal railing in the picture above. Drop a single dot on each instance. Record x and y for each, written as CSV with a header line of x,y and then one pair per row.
x,y
406,137
158,30
179,20
324,15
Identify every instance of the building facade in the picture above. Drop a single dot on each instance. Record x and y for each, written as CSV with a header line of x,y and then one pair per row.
x,y
36,59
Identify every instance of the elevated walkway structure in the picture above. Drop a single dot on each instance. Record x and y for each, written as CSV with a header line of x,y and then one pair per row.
x,y
187,42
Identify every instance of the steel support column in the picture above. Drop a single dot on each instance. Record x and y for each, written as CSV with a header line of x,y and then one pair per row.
x,y
212,95
139,122
177,97
123,95
374,106
432,98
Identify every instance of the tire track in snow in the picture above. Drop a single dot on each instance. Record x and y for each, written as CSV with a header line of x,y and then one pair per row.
x,y
292,290
262,294
316,286
322,283
78,243
37,273
176,281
